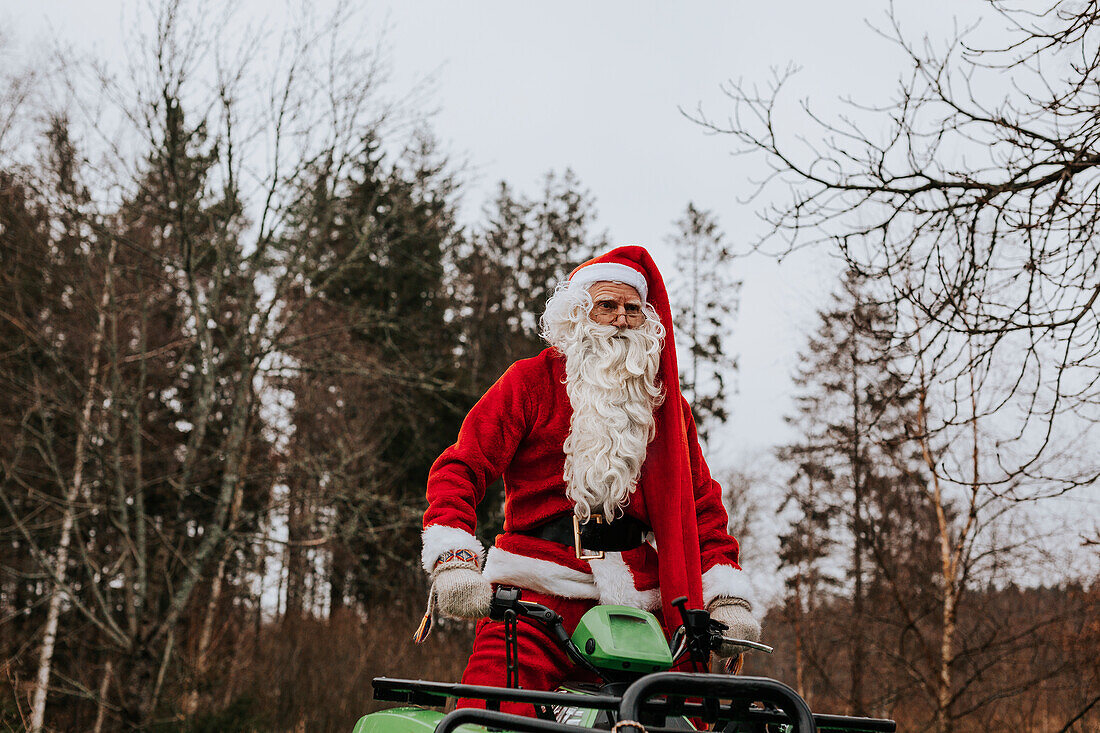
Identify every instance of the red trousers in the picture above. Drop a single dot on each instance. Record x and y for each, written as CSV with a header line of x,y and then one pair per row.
x,y
542,665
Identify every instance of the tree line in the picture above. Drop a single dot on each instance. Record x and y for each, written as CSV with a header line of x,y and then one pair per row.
x,y
908,594
240,315
233,341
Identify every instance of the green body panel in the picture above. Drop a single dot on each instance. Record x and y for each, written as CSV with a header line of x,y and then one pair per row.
x,y
623,638
424,720
406,720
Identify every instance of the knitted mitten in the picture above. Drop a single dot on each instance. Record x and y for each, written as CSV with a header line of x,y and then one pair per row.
x,y
736,614
461,591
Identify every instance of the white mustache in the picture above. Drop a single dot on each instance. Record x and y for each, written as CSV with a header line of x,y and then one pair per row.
x,y
629,349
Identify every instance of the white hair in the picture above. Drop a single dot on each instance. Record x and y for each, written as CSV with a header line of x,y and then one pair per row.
x,y
611,379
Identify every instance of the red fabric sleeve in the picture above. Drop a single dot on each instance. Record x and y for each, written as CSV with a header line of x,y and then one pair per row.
x,y
486,443
716,546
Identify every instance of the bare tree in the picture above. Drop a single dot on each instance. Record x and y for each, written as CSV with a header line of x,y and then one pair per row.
x,y
969,200
72,493
972,196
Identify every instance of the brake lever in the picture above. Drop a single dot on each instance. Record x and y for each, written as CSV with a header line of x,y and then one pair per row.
x,y
733,665
754,645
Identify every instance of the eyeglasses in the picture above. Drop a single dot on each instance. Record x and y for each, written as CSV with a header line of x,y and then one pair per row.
x,y
610,309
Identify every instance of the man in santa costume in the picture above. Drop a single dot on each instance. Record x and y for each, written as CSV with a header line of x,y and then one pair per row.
x,y
594,426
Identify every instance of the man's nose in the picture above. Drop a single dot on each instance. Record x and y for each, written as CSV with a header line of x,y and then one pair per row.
x,y
620,318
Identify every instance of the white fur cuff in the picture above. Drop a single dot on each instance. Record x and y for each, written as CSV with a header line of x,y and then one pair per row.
x,y
438,538
728,581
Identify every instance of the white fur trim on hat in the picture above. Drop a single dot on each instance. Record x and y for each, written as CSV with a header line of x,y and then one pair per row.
x,y
611,272
438,538
727,581
616,584
508,568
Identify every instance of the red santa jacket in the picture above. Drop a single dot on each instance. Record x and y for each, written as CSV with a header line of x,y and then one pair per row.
x,y
517,431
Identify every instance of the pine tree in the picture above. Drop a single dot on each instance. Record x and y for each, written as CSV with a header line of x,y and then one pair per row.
x,y
375,405
510,267
854,477
705,298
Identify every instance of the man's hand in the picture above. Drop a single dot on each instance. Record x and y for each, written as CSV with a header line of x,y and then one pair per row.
x,y
736,614
462,592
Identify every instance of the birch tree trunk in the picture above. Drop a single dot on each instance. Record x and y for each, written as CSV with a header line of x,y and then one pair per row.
x,y
206,634
855,459
61,560
799,661
947,632
952,549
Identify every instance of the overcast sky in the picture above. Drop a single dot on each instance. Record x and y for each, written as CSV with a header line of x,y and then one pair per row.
x,y
600,87
521,88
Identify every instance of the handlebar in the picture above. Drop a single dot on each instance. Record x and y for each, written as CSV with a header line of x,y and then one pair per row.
x,y
698,636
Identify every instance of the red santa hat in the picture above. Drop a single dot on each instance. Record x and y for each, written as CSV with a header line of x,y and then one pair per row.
x,y
665,481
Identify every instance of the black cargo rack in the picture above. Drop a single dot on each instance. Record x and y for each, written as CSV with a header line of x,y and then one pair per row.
x,y
725,699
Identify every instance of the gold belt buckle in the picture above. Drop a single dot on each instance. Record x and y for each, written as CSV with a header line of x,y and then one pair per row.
x,y
599,555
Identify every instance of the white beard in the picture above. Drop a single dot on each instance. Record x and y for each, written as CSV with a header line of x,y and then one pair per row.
x,y
611,380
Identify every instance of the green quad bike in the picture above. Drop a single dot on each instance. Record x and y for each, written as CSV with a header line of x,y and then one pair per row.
x,y
626,648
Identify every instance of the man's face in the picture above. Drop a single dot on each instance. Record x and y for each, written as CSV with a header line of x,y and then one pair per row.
x,y
615,304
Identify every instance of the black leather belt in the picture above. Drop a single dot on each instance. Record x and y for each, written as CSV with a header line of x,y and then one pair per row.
x,y
595,535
